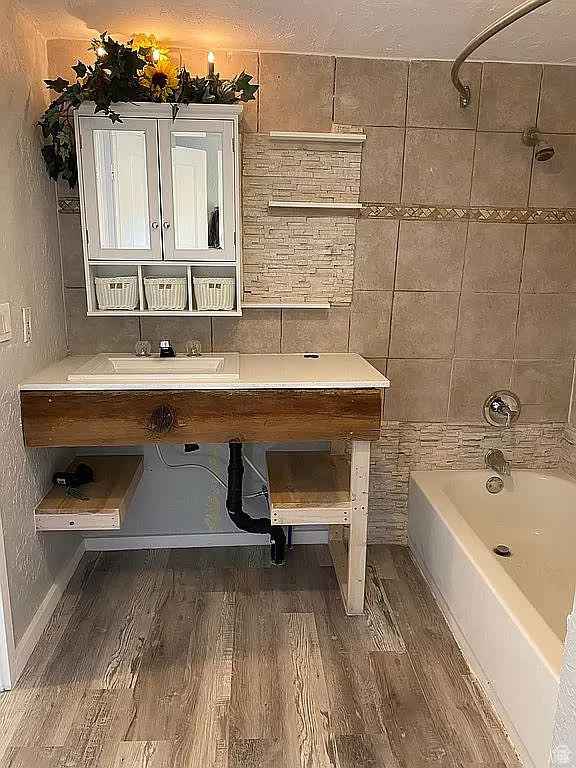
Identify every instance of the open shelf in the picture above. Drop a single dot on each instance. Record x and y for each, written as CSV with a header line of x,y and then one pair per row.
x,y
162,269
318,141
308,488
115,480
313,205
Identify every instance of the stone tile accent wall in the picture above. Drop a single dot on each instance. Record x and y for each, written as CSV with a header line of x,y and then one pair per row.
x,y
291,256
568,450
409,446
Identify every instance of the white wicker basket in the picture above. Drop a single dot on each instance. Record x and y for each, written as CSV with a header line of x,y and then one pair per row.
x,y
214,292
165,293
116,292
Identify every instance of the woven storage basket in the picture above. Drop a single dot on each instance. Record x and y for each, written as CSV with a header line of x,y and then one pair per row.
x,y
116,292
214,292
165,292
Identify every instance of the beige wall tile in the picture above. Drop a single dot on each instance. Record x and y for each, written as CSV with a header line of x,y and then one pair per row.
x,y
472,382
437,166
493,259
487,325
178,330
380,363
419,390
375,254
430,255
546,326
228,64
63,54
549,259
554,181
258,330
501,170
432,100
370,92
557,113
381,171
315,330
543,387
71,250
89,335
509,100
295,92
370,323
423,324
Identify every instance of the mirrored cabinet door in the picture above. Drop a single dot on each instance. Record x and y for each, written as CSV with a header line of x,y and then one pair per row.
x,y
122,202
197,170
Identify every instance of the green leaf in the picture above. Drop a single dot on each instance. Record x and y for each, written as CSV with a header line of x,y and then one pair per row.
x,y
58,85
81,69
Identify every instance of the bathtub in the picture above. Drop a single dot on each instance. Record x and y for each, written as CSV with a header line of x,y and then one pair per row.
x,y
507,613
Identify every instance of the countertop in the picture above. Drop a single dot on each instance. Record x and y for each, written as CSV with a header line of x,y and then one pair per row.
x,y
275,371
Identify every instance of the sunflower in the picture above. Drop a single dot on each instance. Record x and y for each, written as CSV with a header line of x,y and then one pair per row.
x,y
160,79
154,52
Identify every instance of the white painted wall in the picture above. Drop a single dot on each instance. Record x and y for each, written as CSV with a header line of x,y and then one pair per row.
x,y
29,276
564,739
187,502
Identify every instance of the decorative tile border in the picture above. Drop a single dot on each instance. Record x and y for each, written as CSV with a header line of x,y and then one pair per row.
x,y
438,213
68,205
431,213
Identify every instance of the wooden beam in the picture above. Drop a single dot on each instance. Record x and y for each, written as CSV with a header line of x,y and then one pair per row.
x,y
74,418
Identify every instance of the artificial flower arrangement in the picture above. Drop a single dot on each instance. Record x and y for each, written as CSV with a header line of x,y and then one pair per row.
x,y
140,70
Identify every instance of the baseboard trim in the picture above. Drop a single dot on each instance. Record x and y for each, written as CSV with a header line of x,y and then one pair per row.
x,y
40,620
189,540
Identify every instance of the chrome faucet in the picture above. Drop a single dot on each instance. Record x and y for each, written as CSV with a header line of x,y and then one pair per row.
x,y
496,461
166,349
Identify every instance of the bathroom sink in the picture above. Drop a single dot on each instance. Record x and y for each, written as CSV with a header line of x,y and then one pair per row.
x,y
129,368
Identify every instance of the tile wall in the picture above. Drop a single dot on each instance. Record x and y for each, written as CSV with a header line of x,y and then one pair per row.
x,y
465,256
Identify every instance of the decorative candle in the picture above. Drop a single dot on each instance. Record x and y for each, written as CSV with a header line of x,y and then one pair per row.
x,y
211,64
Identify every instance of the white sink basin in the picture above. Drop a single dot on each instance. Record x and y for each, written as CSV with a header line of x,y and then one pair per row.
x,y
129,368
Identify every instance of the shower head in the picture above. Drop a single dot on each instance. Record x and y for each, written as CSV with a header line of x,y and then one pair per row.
x,y
543,149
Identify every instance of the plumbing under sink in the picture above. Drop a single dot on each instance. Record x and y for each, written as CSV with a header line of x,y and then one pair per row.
x,y
129,368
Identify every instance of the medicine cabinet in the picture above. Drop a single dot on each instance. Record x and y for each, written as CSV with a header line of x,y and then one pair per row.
x,y
160,207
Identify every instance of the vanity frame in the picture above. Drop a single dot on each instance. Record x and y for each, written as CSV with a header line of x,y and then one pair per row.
x,y
133,417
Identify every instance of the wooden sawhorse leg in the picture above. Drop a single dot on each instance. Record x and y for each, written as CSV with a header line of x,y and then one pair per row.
x,y
350,557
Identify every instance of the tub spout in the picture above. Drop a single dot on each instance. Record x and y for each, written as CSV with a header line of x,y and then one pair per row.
x,y
496,461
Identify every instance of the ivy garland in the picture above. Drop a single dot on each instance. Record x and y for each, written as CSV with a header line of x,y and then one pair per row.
x,y
137,71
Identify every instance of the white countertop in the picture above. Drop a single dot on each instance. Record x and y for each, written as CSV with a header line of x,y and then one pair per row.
x,y
328,371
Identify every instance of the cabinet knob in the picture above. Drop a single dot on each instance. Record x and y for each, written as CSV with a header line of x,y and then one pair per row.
x,y
155,225
161,419
166,225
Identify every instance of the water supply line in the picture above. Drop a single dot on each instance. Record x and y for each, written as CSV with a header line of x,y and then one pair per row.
x,y
497,26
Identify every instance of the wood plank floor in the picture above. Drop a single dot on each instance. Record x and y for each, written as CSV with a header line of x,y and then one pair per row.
x,y
213,658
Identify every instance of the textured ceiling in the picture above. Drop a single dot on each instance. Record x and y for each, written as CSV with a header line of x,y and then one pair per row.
x,y
379,28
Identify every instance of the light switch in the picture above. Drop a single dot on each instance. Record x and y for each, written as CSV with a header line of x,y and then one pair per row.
x,y
5,323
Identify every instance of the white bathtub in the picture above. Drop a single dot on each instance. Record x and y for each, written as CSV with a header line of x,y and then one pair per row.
x,y
508,614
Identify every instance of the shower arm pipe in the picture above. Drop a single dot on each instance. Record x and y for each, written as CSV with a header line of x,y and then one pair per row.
x,y
491,30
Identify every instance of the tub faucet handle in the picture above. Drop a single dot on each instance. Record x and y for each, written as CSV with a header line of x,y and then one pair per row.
x,y
502,408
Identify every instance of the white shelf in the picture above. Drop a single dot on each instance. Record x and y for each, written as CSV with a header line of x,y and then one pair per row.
x,y
160,263
318,138
162,313
312,205
287,305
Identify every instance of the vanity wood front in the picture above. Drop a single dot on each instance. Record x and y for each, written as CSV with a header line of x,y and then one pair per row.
x,y
76,418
